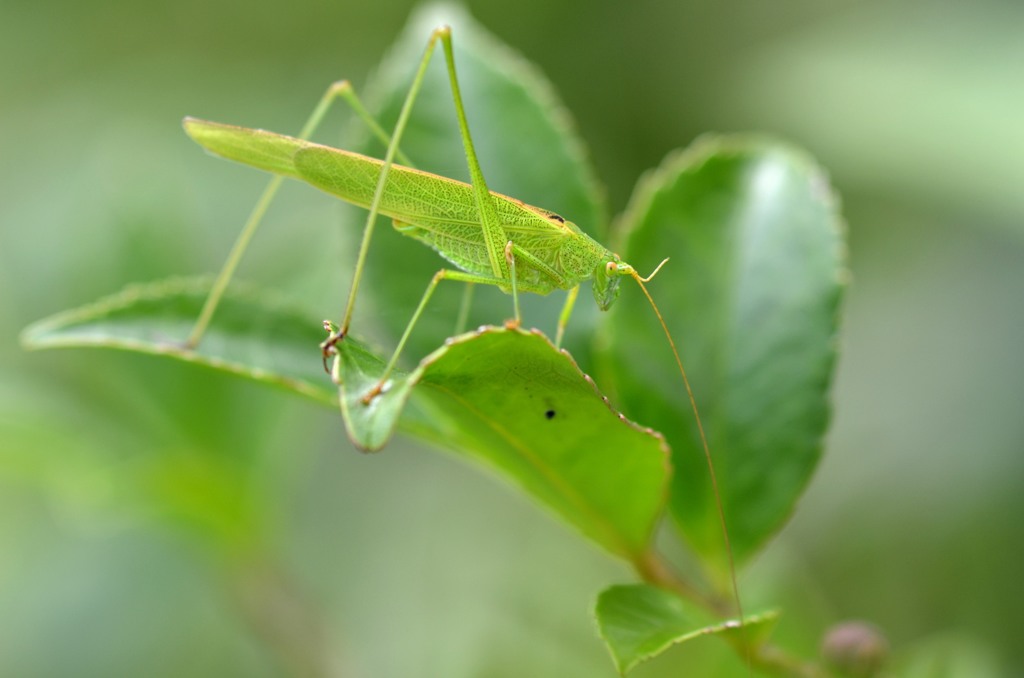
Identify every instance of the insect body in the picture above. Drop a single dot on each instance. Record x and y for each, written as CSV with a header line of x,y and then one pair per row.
x,y
522,249
550,252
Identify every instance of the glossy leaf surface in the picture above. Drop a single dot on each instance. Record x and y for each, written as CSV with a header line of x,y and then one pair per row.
x,y
750,294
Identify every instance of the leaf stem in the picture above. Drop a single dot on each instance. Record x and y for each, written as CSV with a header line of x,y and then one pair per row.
x,y
653,569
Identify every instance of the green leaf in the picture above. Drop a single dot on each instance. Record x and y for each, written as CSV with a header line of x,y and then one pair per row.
x,y
750,295
640,621
507,398
527,147
252,334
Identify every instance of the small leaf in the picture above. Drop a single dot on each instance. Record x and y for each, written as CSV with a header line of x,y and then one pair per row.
x,y
640,621
750,294
510,399
251,335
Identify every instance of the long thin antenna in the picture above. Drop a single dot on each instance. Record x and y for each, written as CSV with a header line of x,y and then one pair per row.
x,y
704,442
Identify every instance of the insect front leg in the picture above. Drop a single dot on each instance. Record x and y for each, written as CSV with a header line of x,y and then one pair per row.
x,y
511,259
554,278
563,318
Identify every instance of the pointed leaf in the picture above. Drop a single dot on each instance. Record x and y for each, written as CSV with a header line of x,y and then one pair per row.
x,y
751,295
252,335
510,399
640,621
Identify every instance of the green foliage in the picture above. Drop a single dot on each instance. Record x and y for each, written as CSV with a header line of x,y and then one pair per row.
x,y
255,336
505,397
510,399
751,293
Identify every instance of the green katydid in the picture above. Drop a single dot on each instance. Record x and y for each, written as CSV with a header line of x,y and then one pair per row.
x,y
493,239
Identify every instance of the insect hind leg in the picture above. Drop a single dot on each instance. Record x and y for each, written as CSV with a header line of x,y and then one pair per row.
x,y
344,90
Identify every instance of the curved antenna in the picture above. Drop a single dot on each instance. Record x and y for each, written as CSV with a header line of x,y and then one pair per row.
x,y
704,442
648,279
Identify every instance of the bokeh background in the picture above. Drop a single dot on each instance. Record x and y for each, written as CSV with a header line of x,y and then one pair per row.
x,y
158,519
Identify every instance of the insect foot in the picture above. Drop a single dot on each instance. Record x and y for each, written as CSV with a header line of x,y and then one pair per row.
x,y
329,346
374,392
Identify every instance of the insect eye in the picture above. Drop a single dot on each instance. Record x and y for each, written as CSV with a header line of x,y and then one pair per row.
x,y
610,267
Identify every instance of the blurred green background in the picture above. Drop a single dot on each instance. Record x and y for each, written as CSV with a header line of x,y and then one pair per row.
x,y
157,519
